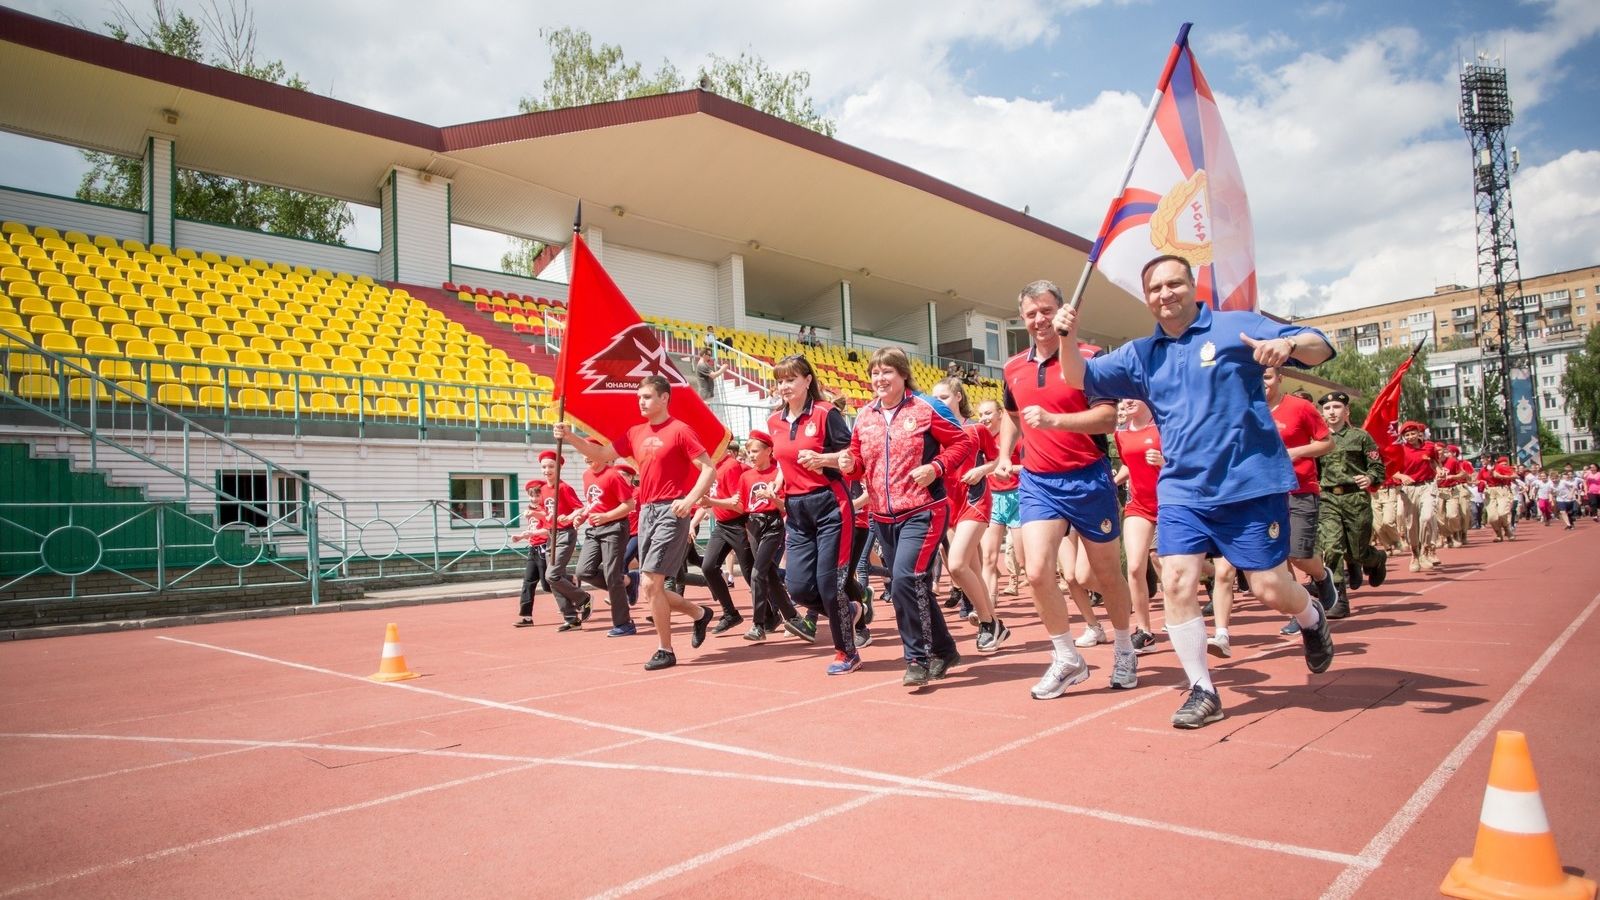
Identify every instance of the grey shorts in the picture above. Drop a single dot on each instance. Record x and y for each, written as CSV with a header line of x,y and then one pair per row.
x,y
663,539
1303,525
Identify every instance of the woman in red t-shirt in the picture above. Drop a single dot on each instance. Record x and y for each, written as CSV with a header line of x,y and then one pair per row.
x,y
967,487
1139,448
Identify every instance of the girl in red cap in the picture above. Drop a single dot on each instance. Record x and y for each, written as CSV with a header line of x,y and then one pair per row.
x,y
758,500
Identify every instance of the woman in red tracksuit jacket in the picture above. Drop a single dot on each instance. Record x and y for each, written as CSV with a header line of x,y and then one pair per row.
x,y
904,447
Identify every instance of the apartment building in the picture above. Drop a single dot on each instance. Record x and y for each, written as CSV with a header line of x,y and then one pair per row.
x,y
1556,310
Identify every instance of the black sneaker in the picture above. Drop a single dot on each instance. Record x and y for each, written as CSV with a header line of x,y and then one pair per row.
x,y
1319,643
1209,609
524,623
728,621
756,633
700,626
663,659
985,637
1354,575
803,628
1095,599
571,625
863,636
1143,641
1201,709
955,598
967,611
586,610
1377,573
939,666
1341,607
916,675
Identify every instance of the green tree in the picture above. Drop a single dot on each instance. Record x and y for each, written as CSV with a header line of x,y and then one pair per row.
x,y
224,37
1580,386
581,74
1480,417
1365,376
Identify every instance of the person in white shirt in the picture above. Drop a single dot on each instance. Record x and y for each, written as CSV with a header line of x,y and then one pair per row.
x,y
1567,491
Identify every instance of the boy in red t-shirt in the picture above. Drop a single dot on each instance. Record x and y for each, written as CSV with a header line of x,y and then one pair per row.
x,y
608,506
536,534
675,472
1305,435
1419,467
560,508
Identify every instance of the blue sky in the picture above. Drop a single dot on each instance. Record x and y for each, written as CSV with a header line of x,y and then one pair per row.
x,y
1342,113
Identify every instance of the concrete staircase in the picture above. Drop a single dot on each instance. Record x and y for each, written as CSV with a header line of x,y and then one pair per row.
x,y
496,334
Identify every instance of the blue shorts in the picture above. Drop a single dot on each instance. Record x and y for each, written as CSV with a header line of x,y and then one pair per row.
x,y
1003,509
1086,498
1252,534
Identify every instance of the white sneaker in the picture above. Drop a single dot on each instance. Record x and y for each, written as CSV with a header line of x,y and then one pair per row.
x,y
1060,676
1092,634
1124,670
1217,645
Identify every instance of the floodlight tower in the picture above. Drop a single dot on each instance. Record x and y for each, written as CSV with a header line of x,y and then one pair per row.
x,y
1485,116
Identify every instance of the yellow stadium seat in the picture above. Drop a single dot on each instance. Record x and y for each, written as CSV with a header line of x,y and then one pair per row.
x,y
286,401
122,331
161,336
56,342
213,397
35,306
175,395
87,388
253,399
140,349
116,368
99,346
197,375
39,387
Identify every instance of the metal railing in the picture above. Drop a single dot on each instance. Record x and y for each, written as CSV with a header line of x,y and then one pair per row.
x,y
234,396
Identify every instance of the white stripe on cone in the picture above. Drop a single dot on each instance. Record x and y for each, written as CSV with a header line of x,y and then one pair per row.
x,y
1516,812
390,651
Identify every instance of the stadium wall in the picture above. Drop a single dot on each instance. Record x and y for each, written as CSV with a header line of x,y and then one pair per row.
x,y
661,285
68,214
362,472
500,281
250,244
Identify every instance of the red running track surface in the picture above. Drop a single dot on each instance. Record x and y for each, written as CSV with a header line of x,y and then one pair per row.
x,y
254,758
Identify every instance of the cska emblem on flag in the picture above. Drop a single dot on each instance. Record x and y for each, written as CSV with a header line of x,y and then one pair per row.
x,y
630,356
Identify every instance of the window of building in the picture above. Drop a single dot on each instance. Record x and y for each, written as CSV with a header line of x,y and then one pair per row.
x,y
1580,444
1546,359
991,338
1578,294
476,497
1549,401
1388,341
258,500
1547,380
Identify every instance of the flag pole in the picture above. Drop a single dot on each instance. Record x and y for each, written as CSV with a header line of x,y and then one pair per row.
x,y
561,406
1133,157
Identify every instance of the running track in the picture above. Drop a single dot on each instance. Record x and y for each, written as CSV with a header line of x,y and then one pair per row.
x,y
253,758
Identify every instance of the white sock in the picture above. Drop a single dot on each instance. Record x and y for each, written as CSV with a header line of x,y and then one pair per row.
x,y
1189,642
1222,633
1308,617
1065,650
1122,639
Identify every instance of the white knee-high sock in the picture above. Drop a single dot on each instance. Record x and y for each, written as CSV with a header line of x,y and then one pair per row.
x,y
1189,642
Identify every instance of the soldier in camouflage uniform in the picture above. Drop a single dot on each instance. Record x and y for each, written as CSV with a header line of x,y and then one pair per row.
x,y
1344,529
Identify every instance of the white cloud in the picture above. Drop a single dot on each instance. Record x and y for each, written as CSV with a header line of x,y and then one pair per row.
x,y
1238,43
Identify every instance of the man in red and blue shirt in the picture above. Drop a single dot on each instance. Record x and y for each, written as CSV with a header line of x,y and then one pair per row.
x,y
1065,483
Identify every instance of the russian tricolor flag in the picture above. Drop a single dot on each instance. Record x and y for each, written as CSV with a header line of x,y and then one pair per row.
x,y
1182,194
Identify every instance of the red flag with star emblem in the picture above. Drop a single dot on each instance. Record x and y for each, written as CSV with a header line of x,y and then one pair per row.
x,y
1384,417
607,351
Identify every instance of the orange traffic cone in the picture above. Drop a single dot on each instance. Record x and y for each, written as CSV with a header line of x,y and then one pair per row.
x,y
393,665
1515,856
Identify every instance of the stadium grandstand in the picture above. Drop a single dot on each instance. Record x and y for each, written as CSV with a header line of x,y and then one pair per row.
x,y
190,406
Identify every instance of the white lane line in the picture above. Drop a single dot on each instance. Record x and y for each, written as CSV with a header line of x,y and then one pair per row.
x,y
1372,856
259,829
570,760
947,709
748,687
664,737
1254,743
788,828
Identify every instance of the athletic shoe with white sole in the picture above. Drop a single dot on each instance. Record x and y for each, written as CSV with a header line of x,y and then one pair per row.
x,y
1143,641
1217,645
1124,670
1092,635
844,663
1060,676
1202,708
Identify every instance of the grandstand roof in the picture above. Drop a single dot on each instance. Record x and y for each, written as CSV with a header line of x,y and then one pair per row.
x,y
690,174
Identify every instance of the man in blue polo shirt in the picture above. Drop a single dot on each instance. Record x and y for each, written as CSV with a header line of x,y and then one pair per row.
x,y
1225,486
